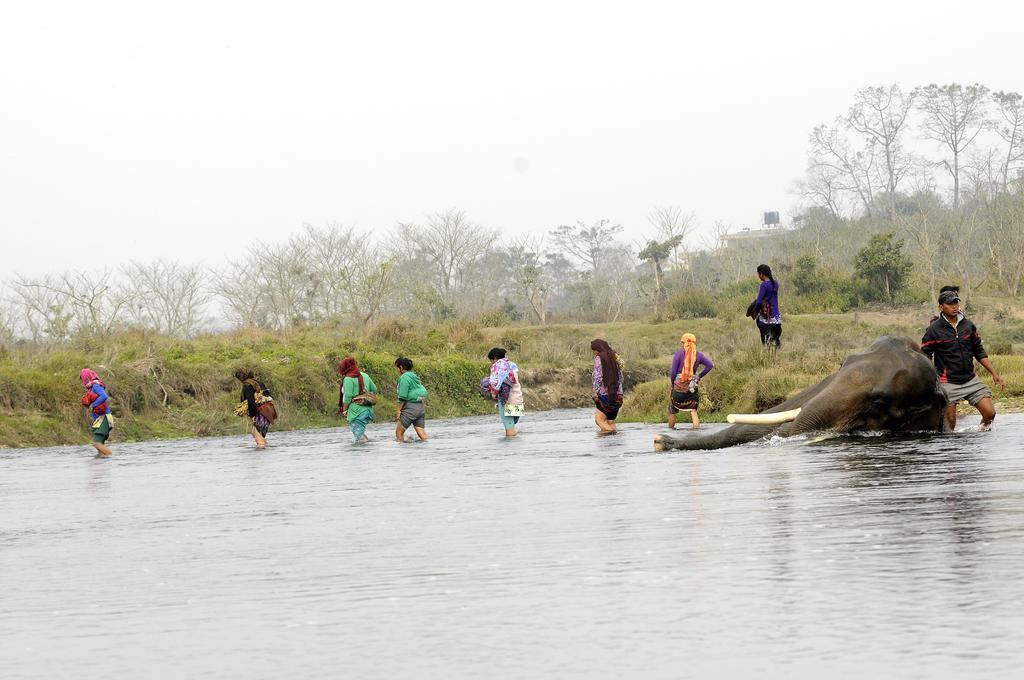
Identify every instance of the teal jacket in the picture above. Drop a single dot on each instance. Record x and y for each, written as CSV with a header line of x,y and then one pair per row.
x,y
410,388
351,388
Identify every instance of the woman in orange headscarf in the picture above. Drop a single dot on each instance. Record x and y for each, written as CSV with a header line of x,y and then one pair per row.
x,y
684,394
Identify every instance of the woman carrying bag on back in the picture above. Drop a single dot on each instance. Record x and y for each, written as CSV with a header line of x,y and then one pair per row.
x,y
257,405
356,399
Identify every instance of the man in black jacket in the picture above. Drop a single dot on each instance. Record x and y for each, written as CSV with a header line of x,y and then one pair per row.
x,y
953,343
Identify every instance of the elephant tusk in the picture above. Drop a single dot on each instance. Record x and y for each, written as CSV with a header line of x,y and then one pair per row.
x,y
763,418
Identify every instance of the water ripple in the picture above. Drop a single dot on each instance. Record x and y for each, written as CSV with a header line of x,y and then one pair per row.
x,y
559,553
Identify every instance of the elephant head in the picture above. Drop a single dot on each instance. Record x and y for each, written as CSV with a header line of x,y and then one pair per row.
x,y
890,386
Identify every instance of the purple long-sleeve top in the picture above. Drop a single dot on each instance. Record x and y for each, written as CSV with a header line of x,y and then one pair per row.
x,y
768,291
701,360
598,379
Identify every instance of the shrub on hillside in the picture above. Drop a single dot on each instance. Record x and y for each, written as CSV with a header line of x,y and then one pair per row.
x,y
807,278
493,319
692,303
511,341
463,332
1000,347
389,331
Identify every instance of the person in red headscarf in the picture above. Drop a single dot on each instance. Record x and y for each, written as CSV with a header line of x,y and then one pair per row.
x,y
95,399
356,398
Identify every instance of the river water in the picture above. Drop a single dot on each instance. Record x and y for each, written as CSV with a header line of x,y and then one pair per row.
x,y
557,554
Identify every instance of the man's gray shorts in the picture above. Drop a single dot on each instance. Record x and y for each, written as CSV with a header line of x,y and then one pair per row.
x,y
413,413
973,391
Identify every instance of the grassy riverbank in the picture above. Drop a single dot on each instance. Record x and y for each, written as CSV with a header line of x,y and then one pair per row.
x,y
167,388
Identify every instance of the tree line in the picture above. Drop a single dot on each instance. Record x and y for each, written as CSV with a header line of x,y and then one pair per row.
x,y
939,167
905,191
439,269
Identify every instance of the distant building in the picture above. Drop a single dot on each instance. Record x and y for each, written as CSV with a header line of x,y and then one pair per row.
x,y
770,226
746,235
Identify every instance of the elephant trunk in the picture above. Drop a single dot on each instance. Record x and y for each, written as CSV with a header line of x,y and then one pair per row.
x,y
730,436
785,419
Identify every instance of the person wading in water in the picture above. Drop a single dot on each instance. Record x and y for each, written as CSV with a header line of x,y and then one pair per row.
x,y
607,385
98,403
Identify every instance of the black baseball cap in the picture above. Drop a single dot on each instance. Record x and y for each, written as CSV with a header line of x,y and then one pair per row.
x,y
948,297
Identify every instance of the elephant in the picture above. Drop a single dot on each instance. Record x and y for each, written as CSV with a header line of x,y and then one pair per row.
x,y
890,386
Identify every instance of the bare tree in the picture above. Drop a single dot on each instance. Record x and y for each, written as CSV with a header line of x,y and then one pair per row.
x,y
166,296
449,243
374,283
671,222
274,284
533,276
880,115
333,255
238,288
822,186
8,321
981,175
42,309
966,256
307,279
734,262
95,299
954,116
74,302
656,252
929,239
586,244
615,288
1010,127
852,170
1005,241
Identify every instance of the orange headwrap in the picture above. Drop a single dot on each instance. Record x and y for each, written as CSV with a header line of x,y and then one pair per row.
x,y
689,341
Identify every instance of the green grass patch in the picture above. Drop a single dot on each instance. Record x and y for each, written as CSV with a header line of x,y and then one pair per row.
x,y
165,387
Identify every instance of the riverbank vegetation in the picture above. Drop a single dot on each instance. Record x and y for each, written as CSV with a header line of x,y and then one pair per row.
x,y
908,190
163,387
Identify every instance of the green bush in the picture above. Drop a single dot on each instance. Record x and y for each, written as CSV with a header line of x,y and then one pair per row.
x,y
493,319
457,379
1000,347
511,341
806,278
462,332
389,331
692,303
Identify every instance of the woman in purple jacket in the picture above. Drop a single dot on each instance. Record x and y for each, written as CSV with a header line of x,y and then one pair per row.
x,y
684,394
766,307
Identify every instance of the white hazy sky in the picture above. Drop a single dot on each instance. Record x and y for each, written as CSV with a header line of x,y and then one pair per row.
x,y
189,129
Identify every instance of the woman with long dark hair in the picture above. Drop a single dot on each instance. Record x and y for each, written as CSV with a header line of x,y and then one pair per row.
x,y
254,395
607,385
766,306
